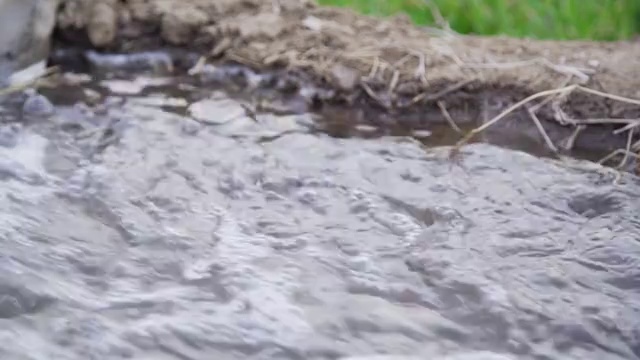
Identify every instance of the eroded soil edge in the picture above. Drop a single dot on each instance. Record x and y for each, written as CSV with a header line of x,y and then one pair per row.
x,y
388,66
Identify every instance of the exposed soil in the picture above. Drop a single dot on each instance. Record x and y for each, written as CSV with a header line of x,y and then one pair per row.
x,y
389,64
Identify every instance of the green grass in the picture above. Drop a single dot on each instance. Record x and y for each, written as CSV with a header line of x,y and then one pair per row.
x,y
544,19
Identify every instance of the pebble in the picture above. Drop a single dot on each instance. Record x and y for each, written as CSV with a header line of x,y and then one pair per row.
x,y
191,127
37,105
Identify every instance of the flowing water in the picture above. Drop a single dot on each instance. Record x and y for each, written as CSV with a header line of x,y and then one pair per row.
x,y
146,227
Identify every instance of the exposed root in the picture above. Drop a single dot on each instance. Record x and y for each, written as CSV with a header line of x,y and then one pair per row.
x,y
538,124
623,99
627,153
509,110
623,162
448,117
633,123
562,93
591,167
572,139
374,96
618,152
552,99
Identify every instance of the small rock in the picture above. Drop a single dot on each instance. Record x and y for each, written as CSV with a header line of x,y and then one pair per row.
x,y
316,24
366,129
179,26
103,24
133,87
312,23
423,133
346,78
191,127
216,112
268,25
37,105
92,96
71,78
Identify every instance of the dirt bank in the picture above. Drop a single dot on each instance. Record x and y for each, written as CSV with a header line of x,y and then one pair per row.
x,y
390,64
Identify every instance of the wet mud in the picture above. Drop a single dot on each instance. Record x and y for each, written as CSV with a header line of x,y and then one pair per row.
x,y
172,223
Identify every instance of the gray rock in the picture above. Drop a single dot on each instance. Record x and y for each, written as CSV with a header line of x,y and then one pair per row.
x,y
216,111
191,127
25,30
37,105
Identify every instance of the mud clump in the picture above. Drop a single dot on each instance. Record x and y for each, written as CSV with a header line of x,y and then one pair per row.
x,y
387,63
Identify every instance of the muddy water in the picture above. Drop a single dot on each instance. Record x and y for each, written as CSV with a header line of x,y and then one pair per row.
x,y
147,227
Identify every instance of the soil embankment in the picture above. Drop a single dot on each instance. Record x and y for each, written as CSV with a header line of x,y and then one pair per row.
x,y
398,68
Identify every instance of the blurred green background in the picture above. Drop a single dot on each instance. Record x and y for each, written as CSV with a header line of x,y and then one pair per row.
x,y
543,19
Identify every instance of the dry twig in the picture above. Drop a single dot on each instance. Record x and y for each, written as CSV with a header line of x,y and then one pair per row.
x,y
572,139
425,97
616,153
632,124
543,133
624,160
448,117
372,94
508,111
